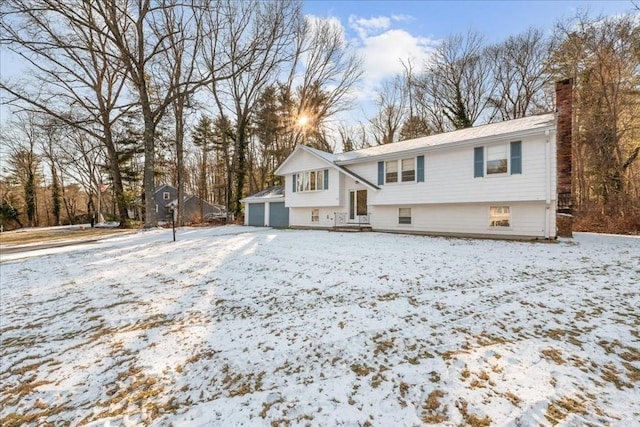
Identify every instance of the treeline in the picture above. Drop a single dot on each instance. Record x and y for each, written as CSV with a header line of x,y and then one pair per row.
x,y
212,96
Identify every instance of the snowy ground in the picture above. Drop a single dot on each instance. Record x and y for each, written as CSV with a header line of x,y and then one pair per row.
x,y
245,326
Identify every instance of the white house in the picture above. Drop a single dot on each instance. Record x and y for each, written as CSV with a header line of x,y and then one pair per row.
x,y
498,180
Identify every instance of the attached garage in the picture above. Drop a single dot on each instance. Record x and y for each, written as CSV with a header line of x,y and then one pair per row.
x,y
256,214
278,215
266,208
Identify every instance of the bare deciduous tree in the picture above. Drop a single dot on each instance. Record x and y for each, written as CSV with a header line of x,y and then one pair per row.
x,y
331,68
458,81
75,76
259,39
392,102
519,67
144,34
24,161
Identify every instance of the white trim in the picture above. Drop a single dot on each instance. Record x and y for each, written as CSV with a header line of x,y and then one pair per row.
x,y
262,199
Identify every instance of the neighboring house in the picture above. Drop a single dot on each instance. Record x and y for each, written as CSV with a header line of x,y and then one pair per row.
x,y
499,179
266,208
166,199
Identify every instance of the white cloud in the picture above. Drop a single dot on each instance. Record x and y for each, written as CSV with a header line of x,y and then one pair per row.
x,y
384,43
384,53
366,26
403,18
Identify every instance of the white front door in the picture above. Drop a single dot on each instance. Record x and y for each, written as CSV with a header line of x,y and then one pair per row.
x,y
358,206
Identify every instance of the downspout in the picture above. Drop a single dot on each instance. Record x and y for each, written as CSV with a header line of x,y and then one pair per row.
x,y
547,189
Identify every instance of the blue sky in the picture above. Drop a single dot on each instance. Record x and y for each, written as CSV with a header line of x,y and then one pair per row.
x,y
385,32
437,19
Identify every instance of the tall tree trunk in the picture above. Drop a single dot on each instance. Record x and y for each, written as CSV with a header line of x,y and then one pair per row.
x,y
114,169
242,143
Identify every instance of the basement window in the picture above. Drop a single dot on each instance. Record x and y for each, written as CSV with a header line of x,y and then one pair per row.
x,y
404,216
499,216
315,215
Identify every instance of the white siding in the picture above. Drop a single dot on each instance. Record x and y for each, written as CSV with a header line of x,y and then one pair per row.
x,y
329,197
449,178
301,217
368,171
303,161
527,219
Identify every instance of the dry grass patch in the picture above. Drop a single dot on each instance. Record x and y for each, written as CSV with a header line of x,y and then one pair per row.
x,y
52,236
37,416
134,392
553,354
559,409
611,374
633,373
432,412
266,407
486,339
464,374
239,384
362,370
513,398
382,345
472,420
388,296
13,393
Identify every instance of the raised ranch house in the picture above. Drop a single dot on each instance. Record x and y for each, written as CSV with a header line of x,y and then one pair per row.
x,y
496,180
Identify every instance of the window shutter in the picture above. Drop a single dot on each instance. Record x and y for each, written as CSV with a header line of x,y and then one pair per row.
x,y
478,162
516,157
380,173
295,184
326,179
420,169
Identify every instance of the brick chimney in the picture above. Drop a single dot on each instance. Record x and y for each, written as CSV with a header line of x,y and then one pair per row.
x,y
564,211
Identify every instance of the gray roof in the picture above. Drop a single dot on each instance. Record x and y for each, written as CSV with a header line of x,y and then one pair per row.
x,y
532,123
269,193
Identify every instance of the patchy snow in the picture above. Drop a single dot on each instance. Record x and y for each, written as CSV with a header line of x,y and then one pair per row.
x,y
240,325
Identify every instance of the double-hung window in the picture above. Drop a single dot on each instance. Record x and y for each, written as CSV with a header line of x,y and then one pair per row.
x,y
403,170
315,215
392,171
498,159
405,167
408,170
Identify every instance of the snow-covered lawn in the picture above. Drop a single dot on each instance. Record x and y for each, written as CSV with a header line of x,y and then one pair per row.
x,y
247,326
